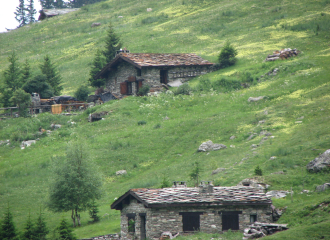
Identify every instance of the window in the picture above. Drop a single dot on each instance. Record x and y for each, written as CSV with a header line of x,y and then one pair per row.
x,y
126,88
230,220
138,72
131,222
190,221
253,218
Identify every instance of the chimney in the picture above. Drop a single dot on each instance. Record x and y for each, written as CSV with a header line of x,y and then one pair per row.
x,y
206,187
122,50
179,184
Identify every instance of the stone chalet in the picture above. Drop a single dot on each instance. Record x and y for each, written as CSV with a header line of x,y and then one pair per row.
x,y
127,72
147,213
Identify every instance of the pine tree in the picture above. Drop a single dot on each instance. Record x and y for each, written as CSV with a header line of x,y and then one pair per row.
x,y
47,4
40,229
52,75
12,80
112,44
93,211
28,233
65,232
20,14
26,72
97,65
8,230
195,173
31,11
21,99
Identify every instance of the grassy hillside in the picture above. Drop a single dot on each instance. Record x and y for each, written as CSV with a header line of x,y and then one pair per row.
x,y
177,124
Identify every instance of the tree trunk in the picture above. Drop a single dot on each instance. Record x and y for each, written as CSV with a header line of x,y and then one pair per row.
x,y
78,217
73,218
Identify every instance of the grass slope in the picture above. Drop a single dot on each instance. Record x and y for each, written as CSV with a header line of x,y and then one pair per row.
x,y
168,147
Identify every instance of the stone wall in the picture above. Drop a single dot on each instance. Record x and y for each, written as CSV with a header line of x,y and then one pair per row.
x,y
159,220
151,75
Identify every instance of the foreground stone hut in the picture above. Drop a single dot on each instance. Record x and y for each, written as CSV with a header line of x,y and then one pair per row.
x,y
146,213
128,72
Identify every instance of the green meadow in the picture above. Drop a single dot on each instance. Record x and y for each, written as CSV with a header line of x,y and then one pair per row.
x,y
295,110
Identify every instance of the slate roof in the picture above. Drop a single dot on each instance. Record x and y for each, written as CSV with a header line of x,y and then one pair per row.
x,y
44,13
140,60
191,196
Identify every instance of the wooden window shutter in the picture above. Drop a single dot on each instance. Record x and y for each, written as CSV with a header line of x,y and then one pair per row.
x,y
140,84
123,88
132,79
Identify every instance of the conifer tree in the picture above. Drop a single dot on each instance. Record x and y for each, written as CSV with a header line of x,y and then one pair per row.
x,y
8,230
31,11
20,14
97,65
52,75
65,231
26,72
47,4
112,44
28,230
93,211
40,229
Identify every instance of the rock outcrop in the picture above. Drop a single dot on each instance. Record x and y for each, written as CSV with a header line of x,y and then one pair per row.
x,y
320,163
210,146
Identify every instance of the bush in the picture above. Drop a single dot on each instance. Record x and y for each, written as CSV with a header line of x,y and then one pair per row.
x,y
229,85
184,89
258,171
227,56
143,91
82,93
204,85
142,122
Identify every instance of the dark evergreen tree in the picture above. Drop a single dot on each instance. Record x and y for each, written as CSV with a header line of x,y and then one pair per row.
x,y
39,85
31,11
8,231
20,14
28,230
47,4
26,72
12,80
60,4
65,231
227,56
112,44
93,211
82,93
40,230
52,76
97,65
21,99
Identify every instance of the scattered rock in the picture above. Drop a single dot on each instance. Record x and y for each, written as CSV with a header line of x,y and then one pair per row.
x,y
265,112
298,122
251,136
243,159
218,170
121,172
266,133
232,137
277,212
96,24
232,146
166,118
4,142
300,118
323,187
259,230
55,126
210,146
120,16
255,99
96,116
149,9
277,194
28,143
254,146
262,121
272,158
304,191
320,163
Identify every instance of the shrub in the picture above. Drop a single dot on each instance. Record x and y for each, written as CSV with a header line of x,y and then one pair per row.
x,y
229,85
142,122
184,89
82,93
258,171
204,85
143,91
227,56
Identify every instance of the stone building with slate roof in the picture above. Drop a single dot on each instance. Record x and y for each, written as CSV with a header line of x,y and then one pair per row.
x,y
146,213
128,72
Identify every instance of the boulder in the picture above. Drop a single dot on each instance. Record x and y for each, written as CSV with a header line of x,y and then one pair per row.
x,y
232,137
96,116
277,194
218,170
323,187
255,99
251,182
320,163
28,143
210,146
121,172
96,24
